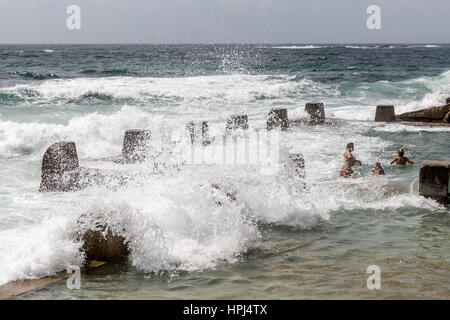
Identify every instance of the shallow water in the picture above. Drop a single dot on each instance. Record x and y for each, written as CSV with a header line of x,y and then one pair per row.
x,y
278,239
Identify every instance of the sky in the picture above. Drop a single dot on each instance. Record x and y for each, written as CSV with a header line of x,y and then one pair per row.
x,y
225,21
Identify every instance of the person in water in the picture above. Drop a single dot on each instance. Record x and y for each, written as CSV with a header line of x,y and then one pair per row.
x,y
400,158
377,169
350,160
348,156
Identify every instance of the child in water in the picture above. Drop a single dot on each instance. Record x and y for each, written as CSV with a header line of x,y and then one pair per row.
x,y
400,158
377,169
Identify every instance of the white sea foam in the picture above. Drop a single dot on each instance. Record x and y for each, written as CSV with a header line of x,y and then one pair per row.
x,y
199,90
34,251
96,134
301,47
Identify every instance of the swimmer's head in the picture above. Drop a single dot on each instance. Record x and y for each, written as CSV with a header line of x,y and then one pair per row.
x,y
377,165
401,152
350,146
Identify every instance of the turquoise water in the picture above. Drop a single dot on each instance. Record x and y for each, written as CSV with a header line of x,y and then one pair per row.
x,y
277,240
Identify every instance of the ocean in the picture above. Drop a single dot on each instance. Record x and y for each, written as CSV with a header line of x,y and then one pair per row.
x,y
276,239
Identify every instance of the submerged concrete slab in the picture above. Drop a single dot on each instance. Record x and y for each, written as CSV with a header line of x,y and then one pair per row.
x,y
14,289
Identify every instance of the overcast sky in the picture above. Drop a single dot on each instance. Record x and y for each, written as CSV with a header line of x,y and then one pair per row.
x,y
224,21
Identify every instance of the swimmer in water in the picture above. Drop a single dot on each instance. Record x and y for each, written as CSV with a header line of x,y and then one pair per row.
x,y
377,169
348,156
400,158
350,160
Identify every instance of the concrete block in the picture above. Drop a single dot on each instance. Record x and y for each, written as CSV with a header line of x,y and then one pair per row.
x,y
434,180
198,132
316,111
236,122
59,167
136,145
278,118
385,114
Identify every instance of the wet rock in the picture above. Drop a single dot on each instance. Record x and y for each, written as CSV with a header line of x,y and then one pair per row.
x,y
434,180
433,114
236,122
316,112
385,114
278,118
136,145
447,101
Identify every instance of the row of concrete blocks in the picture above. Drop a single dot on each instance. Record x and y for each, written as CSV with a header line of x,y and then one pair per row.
x,y
62,172
278,117
386,113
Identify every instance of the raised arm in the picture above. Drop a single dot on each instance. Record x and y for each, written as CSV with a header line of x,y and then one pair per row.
x,y
393,160
409,161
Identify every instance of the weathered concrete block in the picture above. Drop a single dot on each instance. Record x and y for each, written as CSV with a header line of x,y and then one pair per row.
x,y
101,241
316,112
61,156
104,245
434,180
59,167
385,114
237,122
199,132
61,171
278,118
136,145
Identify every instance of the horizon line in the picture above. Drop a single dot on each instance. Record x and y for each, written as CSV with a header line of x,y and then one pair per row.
x,y
222,43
